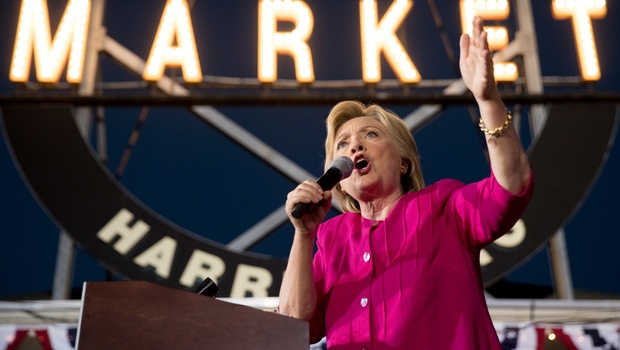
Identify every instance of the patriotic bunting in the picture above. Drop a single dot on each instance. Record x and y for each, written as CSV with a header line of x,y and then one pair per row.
x,y
527,336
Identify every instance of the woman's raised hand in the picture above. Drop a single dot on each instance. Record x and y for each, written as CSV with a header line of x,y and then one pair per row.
x,y
476,63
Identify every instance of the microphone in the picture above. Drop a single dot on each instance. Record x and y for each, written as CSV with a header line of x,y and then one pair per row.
x,y
207,288
340,169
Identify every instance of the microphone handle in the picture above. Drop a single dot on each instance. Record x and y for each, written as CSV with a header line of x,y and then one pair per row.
x,y
331,177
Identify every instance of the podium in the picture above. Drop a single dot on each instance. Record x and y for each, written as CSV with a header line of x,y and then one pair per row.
x,y
141,315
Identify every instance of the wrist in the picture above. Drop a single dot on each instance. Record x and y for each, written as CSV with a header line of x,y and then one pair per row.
x,y
497,131
492,106
303,233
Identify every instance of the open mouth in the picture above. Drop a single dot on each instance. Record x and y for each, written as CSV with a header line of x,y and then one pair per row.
x,y
361,163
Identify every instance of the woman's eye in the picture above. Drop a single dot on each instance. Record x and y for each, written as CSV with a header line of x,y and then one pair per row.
x,y
341,145
371,134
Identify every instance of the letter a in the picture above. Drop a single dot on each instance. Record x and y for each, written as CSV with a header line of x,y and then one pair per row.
x,y
175,22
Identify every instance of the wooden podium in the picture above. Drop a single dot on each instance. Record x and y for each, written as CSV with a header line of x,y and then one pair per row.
x,y
141,315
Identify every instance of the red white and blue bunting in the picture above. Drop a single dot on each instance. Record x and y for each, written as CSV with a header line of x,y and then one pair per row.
x,y
596,336
50,337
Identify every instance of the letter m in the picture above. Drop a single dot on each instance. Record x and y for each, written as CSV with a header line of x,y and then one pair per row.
x,y
50,56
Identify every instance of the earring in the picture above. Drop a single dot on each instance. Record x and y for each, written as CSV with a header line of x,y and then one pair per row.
x,y
403,170
344,193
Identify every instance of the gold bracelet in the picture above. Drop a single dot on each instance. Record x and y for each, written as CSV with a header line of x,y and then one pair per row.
x,y
500,129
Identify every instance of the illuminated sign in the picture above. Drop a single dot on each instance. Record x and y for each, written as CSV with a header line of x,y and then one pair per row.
x,y
175,23
50,56
581,12
294,43
377,37
380,37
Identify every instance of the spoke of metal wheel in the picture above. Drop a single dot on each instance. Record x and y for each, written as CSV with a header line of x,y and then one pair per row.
x,y
131,143
444,37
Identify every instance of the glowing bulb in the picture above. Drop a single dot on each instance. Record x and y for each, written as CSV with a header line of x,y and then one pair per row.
x,y
505,71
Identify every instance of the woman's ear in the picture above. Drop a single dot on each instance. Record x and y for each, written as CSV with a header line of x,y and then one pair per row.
x,y
404,167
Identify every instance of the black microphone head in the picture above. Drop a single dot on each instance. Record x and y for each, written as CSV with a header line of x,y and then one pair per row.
x,y
344,164
208,288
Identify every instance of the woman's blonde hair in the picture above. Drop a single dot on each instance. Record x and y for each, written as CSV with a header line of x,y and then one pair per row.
x,y
344,111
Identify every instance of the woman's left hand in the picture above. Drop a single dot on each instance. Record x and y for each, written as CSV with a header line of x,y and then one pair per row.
x,y
476,63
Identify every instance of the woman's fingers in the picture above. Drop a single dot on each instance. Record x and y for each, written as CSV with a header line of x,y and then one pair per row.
x,y
306,192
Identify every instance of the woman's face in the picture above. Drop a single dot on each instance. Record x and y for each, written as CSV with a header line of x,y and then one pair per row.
x,y
377,163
